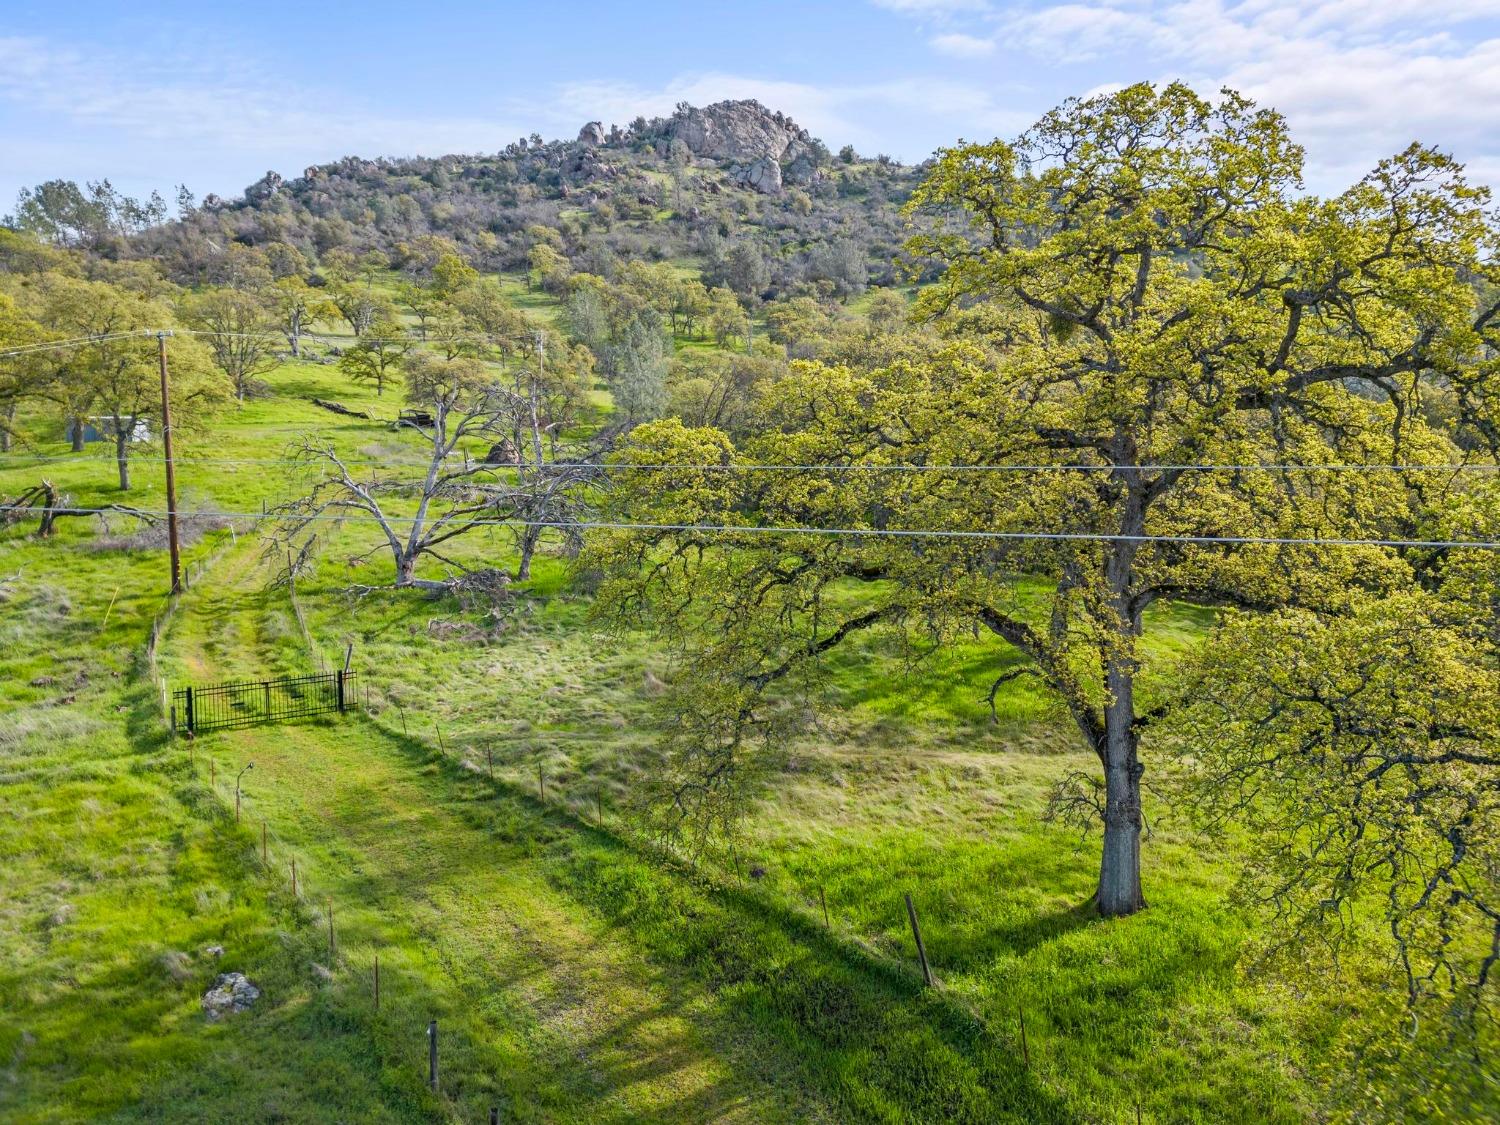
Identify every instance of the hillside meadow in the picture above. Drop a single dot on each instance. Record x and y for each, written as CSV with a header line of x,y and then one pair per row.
x,y
453,828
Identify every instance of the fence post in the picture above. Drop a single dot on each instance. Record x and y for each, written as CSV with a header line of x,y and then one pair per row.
x,y
823,898
916,932
266,684
191,724
432,1065
263,843
489,756
339,679
332,949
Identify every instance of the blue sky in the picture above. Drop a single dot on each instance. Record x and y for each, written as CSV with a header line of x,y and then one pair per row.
x,y
214,95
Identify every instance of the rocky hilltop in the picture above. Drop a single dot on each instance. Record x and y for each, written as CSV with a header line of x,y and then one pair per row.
x,y
763,149
689,187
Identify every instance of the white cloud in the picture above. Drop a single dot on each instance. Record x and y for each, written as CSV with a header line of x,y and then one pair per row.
x,y
1357,79
862,114
962,46
218,112
932,7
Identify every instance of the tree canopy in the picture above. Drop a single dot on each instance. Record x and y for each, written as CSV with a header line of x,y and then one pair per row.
x,y
1134,288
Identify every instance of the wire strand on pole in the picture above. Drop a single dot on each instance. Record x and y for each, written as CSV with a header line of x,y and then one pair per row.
x,y
24,460
861,532
77,342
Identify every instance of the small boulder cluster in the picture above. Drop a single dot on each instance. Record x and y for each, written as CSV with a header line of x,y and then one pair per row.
x,y
231,993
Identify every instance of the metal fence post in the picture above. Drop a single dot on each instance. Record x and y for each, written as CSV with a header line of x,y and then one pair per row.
x,y
432,1065
191,725
916,932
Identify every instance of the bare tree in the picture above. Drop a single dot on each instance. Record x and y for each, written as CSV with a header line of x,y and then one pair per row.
x,y
461,402
44,502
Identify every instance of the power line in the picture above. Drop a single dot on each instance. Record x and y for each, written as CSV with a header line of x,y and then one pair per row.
x,y
871,533
270,337
626,466
76,341
743,467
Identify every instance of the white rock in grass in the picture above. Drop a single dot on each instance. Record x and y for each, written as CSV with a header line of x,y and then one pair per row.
x,y
231,993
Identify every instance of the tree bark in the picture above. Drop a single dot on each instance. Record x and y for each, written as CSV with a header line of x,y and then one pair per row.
x,y
78,424
6,428
122,458
406,569
529,538
1120,862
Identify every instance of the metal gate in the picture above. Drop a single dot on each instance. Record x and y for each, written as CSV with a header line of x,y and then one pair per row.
x,y
231,706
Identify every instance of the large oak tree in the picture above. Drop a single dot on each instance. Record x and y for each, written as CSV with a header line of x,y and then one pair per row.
x,y
1136,286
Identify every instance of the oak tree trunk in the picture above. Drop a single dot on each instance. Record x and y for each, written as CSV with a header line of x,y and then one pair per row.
x,y
1120,864
77,435
122,459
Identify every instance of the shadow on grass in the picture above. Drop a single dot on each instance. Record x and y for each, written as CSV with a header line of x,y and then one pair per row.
x,y
861,1031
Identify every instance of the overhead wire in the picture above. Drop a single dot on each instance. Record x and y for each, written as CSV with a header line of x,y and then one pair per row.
x,y
874,533
23,460
270,337
74,342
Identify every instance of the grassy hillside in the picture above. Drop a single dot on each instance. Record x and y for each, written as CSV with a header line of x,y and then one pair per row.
x,y
576,974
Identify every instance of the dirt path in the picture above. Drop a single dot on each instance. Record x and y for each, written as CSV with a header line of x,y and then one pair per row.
x,y
543,1008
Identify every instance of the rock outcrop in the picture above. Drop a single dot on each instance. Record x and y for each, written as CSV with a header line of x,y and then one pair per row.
x,y
231,993
801,166
264,188
762,148
763,175
738,131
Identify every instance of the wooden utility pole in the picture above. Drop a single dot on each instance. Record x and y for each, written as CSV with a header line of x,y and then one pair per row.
x,y
166,441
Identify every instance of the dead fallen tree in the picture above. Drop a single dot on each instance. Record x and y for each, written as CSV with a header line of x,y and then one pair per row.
x,y
43,501
340,408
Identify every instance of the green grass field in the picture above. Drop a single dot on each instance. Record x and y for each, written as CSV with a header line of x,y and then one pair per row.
x,y
576,973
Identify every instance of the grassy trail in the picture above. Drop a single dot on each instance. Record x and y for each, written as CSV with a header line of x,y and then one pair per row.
x,y
542,1008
